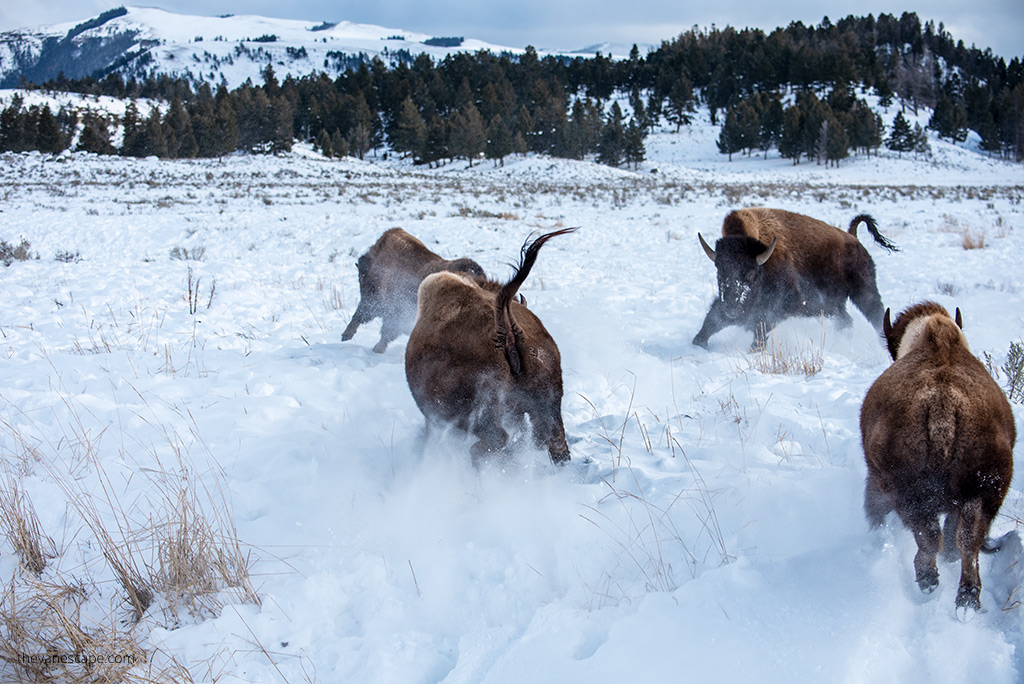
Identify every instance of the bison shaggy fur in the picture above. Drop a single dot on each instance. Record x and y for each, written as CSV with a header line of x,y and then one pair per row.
x,y
938,436
390,274
481,361
772,264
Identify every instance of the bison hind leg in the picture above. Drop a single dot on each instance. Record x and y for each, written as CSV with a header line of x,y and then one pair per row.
x,y
929,541
949,545
876,504
970,537
491,438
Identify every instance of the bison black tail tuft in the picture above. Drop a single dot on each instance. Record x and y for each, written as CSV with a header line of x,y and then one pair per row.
x,y
873,229
506,330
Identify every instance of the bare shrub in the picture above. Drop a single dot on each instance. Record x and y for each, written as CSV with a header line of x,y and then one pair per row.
x,y
67,257
1013,368
10,253
185,254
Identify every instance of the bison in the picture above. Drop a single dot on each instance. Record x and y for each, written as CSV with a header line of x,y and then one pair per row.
x,y
389,275
479,360
773,264
938,437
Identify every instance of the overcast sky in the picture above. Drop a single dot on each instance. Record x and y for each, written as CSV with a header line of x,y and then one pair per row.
x,y
571,24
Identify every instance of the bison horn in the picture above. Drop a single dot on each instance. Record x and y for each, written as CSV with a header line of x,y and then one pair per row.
x,y
764,256
959,320
707,248
887,324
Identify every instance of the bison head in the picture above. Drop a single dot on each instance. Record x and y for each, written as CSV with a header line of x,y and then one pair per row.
x,y
739,262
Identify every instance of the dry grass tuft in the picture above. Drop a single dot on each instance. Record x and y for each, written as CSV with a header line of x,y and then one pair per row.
x,y
973,240
21,527
780,356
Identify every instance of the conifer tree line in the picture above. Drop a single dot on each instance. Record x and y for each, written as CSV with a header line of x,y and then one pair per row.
x,y
793,89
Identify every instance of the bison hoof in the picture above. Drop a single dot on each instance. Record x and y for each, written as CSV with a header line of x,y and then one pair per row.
x,y
928,579
560,459
346,336
968,599
380,347
698,342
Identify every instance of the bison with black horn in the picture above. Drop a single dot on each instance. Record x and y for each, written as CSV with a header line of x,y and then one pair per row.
x,y
938,437
389,275
479,360
773,264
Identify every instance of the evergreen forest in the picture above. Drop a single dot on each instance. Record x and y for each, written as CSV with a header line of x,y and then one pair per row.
x,y
799,90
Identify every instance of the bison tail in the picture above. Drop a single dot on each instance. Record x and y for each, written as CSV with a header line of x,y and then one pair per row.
x,y
873,229
507,332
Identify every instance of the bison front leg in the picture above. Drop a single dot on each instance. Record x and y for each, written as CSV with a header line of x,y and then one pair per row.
x,y
970,535
362,315
714,321
389,331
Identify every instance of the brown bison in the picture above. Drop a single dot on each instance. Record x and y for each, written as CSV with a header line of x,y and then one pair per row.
x,y
938,438
389,275
773,264
477,358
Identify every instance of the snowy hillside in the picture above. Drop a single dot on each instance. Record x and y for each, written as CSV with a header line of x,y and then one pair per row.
x,y
181,360
230,49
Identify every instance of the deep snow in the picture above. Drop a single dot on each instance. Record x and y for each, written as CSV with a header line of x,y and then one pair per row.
x,y
710,526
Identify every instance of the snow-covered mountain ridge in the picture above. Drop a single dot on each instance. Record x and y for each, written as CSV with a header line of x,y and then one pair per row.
x,y
144,40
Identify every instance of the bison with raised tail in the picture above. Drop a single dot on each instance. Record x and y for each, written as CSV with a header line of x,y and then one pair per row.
x,y
938,437
389,275
773,264
481,361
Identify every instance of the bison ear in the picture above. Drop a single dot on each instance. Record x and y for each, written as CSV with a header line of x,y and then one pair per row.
x,y
765,256
707,249
959,320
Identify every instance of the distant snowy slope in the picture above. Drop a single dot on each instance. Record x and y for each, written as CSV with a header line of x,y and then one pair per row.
x,y
142,41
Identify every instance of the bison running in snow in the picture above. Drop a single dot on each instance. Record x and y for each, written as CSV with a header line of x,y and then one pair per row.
x,y
389,275
477,358
938,437
773,264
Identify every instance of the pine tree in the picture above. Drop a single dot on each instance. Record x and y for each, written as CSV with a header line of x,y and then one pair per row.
x,y
612,148
339,145
730,138
323,143
13,132
499,140
468,136
181,142
680,106
791,142
409,132
634,151
48,139
901,137
949,119
95,137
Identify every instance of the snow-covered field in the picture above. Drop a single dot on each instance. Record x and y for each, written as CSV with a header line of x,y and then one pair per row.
x,y
710,525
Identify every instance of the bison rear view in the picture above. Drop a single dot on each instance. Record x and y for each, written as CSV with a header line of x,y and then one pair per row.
x,y
938,436
480,361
